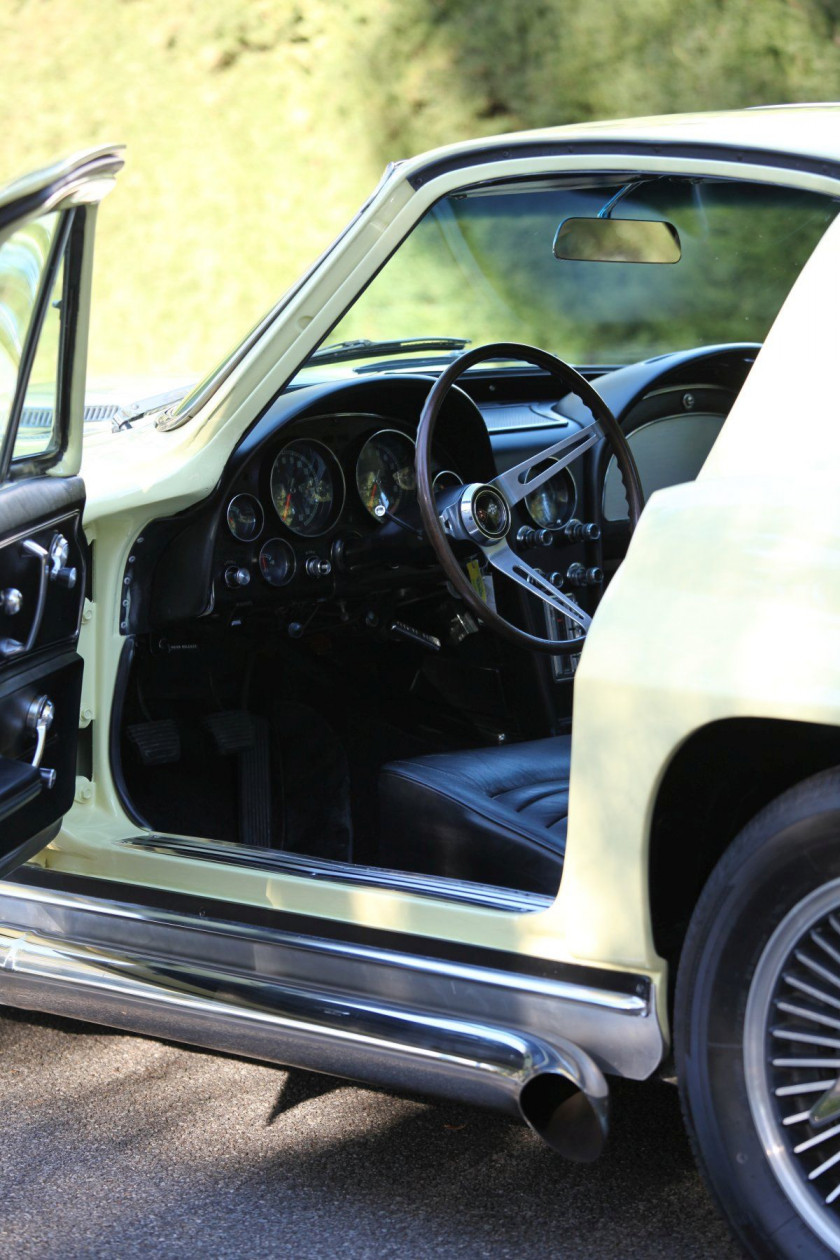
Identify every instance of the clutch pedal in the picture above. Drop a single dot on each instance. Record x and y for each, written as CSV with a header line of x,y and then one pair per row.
x,y
156,743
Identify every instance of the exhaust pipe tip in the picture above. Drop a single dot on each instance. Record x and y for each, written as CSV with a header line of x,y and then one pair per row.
x,y
572,1122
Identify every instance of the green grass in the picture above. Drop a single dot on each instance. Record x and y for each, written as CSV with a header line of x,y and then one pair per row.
x,y
255,129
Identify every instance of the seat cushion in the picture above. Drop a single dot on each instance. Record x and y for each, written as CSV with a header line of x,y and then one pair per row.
x,y
490,815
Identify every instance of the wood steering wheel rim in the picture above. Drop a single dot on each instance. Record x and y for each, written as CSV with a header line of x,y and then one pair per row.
x,y
573,383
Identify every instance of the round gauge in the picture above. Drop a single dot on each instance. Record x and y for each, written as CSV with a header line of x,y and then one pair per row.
x,y
277,562
245,517
306,488
446,480
552,503
385,476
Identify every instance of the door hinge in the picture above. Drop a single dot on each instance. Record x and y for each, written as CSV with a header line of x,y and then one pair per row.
x,y
84,790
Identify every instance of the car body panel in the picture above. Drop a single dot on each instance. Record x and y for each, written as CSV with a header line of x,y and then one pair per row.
x,y
725,579
601,914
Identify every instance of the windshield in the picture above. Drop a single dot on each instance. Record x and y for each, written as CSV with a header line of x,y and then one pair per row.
x,y
480,266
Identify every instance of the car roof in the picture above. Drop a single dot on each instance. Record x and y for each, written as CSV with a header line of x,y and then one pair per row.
x,y
807,130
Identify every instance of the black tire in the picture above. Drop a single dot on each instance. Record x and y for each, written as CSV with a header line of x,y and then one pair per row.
x,y
764,910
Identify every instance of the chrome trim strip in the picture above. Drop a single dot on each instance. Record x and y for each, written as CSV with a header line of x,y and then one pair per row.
x,y
280,863
28,530
174,954
626,1003
474,1062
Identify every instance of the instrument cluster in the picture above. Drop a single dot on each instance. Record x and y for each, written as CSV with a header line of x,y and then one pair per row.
x,y
302,499
289,508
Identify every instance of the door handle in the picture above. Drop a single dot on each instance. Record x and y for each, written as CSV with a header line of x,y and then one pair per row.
x,y
42,556
14,647
54,568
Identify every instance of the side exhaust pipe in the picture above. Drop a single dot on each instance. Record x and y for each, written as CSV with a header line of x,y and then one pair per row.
x,y
571,1117
556,1088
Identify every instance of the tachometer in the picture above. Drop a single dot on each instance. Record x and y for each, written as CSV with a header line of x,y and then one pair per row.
x,y
385,476
307,488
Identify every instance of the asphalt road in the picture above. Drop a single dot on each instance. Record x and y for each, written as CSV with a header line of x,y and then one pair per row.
x,y
120,1146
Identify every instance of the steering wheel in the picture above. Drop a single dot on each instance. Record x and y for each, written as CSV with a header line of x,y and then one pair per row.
x,y
482,513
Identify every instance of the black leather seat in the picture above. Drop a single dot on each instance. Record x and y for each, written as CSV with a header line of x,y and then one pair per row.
x,y
490,815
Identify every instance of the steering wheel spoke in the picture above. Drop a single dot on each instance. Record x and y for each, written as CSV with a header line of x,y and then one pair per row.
x,y
481,513
504,559
515,483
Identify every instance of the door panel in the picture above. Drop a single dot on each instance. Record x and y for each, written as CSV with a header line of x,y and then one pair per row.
x,y
47,222
42,584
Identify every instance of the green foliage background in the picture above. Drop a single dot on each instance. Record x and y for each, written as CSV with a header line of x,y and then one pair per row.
x,y
256,128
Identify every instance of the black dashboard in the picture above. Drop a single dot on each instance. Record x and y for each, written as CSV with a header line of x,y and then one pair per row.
x,y
316,514
316,501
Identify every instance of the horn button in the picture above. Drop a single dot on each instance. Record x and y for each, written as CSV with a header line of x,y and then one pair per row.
x,y
485,514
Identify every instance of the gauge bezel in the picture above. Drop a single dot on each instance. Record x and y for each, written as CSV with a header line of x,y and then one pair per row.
x,y
260,517
447,472
287,546
572,503
339,487
379,433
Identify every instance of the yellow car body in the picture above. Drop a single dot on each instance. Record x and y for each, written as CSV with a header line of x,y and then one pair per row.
x,y
718,630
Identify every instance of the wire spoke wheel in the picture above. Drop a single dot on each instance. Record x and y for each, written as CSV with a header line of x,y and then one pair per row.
x,y
792,1058
757,1026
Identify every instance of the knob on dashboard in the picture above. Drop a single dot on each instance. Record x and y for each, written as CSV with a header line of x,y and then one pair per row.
x,y
576,531
236,576
534,537
579,575
316,568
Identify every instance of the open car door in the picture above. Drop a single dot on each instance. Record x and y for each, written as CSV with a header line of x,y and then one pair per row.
x,y
46,243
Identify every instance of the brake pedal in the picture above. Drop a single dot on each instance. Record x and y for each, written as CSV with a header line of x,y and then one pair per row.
x,y
232,732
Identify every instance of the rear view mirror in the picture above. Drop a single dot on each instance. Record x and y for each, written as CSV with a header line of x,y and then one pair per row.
x,y
617,240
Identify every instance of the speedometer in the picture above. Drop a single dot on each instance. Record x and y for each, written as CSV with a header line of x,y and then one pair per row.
x,y
385,476
307,488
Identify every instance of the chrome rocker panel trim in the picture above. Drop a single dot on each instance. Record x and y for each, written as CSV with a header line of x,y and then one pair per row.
x,y
277,862
402,1021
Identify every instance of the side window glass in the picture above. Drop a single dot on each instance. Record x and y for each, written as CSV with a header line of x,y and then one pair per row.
x,y
37,428
23,260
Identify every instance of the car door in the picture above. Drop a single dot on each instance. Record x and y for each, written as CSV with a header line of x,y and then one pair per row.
x,y
47,223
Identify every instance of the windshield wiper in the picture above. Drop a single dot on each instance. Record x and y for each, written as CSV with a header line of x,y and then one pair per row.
x,y
363,348
130,413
